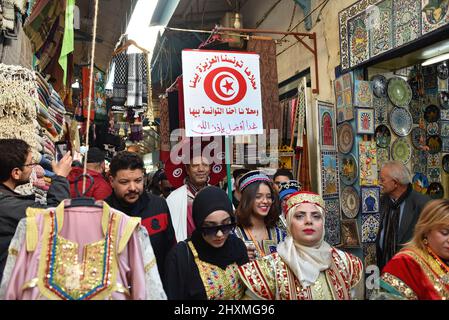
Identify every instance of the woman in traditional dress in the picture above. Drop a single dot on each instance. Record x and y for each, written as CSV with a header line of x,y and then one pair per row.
x,y
305,267
258,222
421,269
205,266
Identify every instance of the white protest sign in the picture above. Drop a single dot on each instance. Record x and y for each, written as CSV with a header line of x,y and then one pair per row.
x,y
221,93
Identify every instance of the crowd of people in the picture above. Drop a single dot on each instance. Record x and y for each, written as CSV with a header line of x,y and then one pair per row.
x,y
129,238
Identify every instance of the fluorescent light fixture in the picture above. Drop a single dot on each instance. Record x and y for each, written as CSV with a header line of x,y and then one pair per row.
x,y
436,59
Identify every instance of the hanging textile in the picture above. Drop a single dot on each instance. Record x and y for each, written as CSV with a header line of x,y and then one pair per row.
x,y
86,81
165,130
269,81
68,44
119,88
304,172
101,114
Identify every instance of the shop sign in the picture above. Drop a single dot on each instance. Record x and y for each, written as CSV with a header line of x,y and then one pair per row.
x,y
222,93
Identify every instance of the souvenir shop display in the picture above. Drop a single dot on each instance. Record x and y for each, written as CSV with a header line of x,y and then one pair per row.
x,y
401,121
348,169
365,121
383,136
399,92
350,202
379,85
345,137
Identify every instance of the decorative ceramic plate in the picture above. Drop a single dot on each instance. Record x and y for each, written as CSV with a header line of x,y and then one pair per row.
x,y
432,128
401,150
379,85
383,155
435,190
348,169
401,121
418,137
345,135
444,100
420,183
442,71
350,202
434,174
432,113
435,144
445,163
399,92
383,136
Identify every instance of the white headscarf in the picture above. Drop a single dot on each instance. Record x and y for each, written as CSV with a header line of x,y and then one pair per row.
x,y
305,262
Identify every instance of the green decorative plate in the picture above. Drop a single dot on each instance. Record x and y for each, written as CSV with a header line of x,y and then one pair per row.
x,y
401,150
399,92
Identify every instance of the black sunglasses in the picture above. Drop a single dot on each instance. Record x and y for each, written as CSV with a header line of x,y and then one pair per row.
x,y
212,231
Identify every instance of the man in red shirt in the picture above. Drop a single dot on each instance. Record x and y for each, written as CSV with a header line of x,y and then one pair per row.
x,y
101,188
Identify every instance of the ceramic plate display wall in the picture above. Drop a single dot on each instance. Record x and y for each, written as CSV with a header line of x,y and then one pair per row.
x,y
329,174
444,115
401,150
420,183
434,174
350,236
434,15
370,199
432,128
348,169
444,128
406,21
326,112
345,137
432,113
445,163
418,137
401,121
383,136
368,163
444,100
332,225
379,85
435,190
383,155
416,110
399,92
442,71
435,144
370,227
358,40
365,121
381,108
363,96
433,160
445,147
350,202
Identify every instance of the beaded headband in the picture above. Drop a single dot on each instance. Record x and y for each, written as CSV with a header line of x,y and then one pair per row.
x,y
288,187
251,177
304,197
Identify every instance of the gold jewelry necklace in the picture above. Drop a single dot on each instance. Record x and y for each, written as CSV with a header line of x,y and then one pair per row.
x,y
444,278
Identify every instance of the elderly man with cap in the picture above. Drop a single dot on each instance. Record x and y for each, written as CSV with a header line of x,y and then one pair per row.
x,y
101,189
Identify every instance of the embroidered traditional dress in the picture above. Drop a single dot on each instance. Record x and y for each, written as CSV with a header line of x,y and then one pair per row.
x,y
275,236
219,284
415,274
80,253
270,278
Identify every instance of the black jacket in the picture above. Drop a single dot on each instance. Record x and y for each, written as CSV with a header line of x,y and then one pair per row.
x,y
13,208
156,219
414,204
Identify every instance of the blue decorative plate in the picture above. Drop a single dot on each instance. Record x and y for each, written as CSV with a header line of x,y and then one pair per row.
x,y
379,85
383,136
418,137
420,183
401,121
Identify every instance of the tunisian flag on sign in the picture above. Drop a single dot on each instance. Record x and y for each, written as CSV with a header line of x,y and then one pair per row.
x,y
221,93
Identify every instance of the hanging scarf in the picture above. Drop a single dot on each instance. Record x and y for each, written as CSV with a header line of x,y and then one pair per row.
x,y
391,213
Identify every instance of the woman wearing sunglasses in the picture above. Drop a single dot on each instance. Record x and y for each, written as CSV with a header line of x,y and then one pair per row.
x,y
206,265
258,222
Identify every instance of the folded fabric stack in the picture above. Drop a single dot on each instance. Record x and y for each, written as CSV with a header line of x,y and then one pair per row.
x,y
18,100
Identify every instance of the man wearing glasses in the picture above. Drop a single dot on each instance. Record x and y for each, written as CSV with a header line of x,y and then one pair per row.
x,y
400,207
16,165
